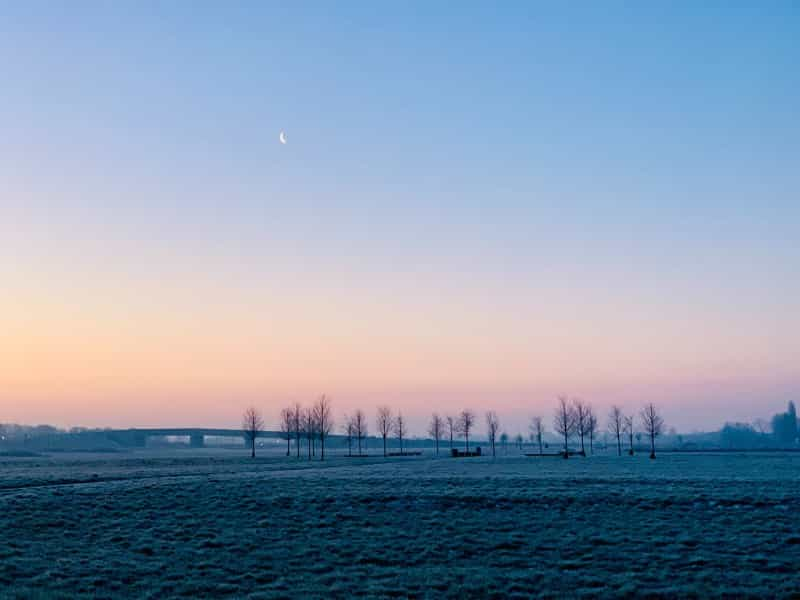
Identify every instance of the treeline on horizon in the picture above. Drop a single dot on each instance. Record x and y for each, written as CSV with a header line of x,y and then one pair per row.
x,y
779,432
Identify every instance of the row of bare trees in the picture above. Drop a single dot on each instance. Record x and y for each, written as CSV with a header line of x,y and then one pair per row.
x,y
573,417
388,424
313,424
576,417
449,427
355,429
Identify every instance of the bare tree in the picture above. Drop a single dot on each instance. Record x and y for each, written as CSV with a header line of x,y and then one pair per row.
x,y
287,420
252,423
310,429
492,426
580,410
653,425
323,415
360,427
564,422
616,426
465,422
519,440
384,422
537,430
592,428
297,425
348,433
627,425
400,429
451,428
435,430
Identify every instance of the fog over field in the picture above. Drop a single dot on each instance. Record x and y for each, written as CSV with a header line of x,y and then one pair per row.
x,y
203,523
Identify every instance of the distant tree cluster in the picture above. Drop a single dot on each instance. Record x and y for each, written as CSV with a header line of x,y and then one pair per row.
x,y
742,435
784,426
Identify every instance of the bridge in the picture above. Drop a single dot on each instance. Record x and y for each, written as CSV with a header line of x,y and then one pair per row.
x,y
137,438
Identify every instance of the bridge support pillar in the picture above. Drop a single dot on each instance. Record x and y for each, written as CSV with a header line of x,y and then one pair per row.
x,y
197,440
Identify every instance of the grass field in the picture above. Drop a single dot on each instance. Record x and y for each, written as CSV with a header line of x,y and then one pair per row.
x,y
213,522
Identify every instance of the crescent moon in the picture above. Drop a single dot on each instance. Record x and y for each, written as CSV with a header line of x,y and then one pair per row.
x,y
282,138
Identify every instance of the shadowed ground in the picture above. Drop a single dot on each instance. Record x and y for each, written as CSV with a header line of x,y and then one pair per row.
x,y
204,523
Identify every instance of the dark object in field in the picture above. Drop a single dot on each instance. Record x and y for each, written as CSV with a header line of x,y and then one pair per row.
x,y
456,453
405,453
559,454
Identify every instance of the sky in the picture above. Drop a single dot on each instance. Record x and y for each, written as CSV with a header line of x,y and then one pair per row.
x,y
479,206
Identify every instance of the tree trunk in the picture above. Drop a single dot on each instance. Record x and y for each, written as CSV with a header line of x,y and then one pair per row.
x,y
253,447
466,440
384,446
321,447
566,445
582,448
288,445
619,446
652,446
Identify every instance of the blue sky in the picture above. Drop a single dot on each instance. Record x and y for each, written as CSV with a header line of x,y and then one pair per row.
x,y
616,171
